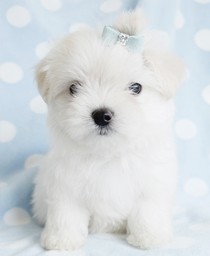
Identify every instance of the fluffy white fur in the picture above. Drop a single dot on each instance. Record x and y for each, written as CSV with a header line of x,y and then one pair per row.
x,y
123,181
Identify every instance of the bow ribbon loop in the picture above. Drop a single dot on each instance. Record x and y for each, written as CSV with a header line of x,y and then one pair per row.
x,y
112,36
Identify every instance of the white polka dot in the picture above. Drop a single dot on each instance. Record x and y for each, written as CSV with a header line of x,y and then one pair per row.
x,y
202,39
110,5
42,49
18,16
77,26
3,185
185,129
10,72
202,1
196,187
181,242
179,20
16,217
52,5
37,105
7,131
33,161
206,94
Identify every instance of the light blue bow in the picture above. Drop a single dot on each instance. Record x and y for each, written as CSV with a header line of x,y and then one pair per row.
x,y
112,36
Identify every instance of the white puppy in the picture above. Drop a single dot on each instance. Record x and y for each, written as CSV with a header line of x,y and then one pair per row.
x,y
112,164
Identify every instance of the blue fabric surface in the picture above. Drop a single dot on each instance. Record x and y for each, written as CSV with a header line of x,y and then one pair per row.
x,y
27,30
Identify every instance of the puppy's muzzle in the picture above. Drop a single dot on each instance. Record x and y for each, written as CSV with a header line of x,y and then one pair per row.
x,y
102,117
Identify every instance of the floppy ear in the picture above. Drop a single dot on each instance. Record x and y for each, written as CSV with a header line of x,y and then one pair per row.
x,y
168,70
42,79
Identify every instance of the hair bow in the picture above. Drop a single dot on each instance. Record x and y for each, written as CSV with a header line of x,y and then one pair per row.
x,y
112,36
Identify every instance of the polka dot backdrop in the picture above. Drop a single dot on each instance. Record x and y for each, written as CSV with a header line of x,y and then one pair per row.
x,y
28,31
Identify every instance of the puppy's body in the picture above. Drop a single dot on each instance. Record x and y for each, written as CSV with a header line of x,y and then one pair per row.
x,y
110,193
116,178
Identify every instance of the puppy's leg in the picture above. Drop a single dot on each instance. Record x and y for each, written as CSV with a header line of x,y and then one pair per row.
x,y
66,226
149,224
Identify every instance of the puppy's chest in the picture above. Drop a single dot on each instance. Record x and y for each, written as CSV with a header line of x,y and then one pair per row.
x,y
112,185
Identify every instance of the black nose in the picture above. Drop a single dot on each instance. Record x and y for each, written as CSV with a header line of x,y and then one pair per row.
x,y
102,117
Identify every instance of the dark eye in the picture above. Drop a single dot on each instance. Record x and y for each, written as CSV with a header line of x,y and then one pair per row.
x,y
74,87
135,88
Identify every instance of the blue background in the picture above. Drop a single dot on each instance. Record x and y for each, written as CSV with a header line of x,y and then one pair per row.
x,y
27,31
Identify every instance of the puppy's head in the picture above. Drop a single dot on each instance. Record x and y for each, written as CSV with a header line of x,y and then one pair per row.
x,y
106,93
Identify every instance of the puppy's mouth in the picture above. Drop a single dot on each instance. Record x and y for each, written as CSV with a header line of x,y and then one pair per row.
x,y
104,131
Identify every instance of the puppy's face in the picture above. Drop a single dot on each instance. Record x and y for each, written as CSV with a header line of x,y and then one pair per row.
x,y
98,94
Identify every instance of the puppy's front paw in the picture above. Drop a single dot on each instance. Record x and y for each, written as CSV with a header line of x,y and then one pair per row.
x,y
149,241
61,240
